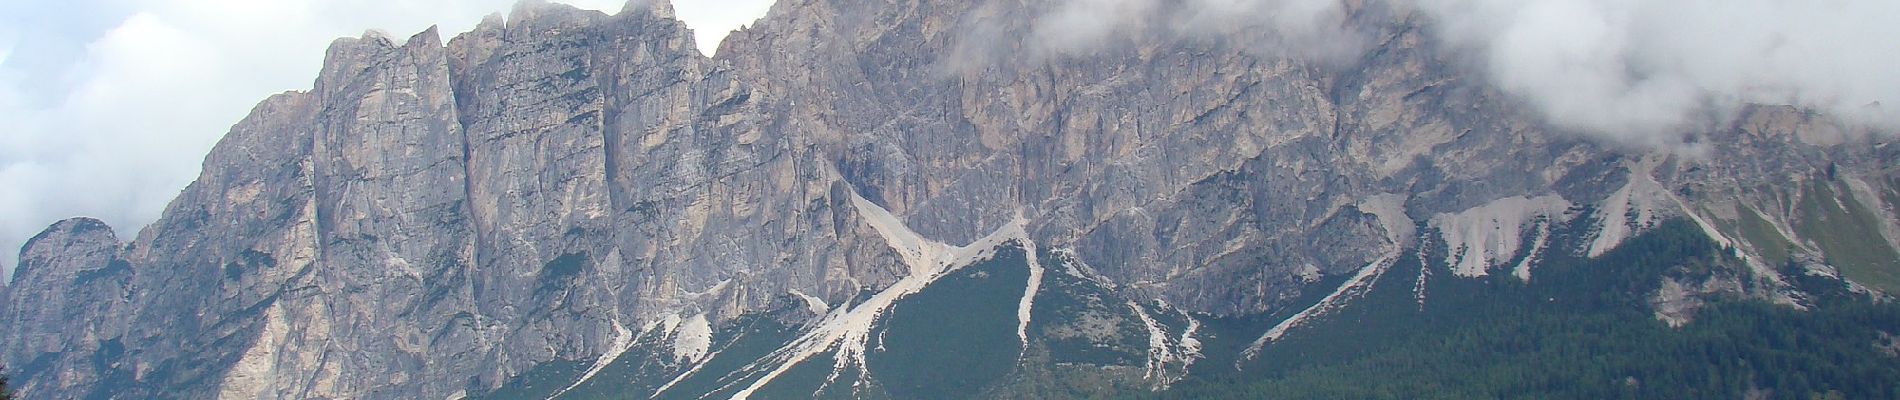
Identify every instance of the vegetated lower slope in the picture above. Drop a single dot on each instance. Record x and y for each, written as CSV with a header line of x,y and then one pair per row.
x,y
1580,329
962,336
1584,328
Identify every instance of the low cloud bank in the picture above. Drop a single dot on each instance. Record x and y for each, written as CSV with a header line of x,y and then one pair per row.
x,y
1638,72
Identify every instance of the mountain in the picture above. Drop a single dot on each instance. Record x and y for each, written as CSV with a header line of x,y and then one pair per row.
x,y
913,199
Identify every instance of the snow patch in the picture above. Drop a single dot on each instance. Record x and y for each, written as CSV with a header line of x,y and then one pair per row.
x,y
1491,234
1190,344
921,255
1024,306
692,339
817,305
1073,264
846,333
687,345
1523,269
1674,303
1309,273
670,323
1359,284
1158,350
1638,205
1165,352
1389,208
1643,203
1159,353
623,340
1418,287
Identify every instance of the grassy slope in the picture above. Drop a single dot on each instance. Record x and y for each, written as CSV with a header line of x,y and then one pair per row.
x,y
1856,247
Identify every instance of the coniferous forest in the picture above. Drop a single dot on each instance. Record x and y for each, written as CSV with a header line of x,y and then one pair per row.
x,y
1579,329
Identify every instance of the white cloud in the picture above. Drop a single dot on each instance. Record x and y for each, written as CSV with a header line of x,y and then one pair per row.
x,y
113,121
1645,71
1306,28
1638,72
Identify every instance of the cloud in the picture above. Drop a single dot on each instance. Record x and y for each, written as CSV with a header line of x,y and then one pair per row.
x,y
1307,28
110,105
1085,25
1633,71
1644,72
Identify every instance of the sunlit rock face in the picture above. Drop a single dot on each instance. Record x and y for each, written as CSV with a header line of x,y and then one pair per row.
x,y
435,218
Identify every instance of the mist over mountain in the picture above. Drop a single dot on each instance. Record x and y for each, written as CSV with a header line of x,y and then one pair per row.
x,y
1010,199
1638,73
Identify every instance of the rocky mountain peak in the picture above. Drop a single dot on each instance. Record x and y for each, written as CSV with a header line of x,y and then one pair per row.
x,y
539,17
656,9
61,251
68,274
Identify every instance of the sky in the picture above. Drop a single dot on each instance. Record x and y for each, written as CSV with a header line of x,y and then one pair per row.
x,y
107,107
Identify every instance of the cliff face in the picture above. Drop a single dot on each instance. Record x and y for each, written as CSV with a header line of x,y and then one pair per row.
x,y
433,218
71,276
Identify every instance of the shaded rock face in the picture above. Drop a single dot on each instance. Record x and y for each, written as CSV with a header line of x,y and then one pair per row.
x,y
434,218
69,277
